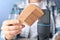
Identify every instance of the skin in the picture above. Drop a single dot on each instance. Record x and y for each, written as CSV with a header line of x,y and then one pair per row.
x,y
11,28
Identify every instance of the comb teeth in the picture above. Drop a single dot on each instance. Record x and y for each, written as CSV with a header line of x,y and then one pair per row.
x,y
30,14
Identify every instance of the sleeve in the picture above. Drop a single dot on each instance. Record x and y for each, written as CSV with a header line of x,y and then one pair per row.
x,y
2,37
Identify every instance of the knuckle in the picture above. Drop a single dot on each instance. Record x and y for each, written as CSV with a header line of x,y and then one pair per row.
x,y
5,21
13,32
15,28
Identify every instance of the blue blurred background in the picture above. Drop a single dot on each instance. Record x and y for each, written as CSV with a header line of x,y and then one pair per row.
x,y
6,6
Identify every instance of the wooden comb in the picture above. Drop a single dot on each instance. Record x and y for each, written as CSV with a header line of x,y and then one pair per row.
x,y
30,14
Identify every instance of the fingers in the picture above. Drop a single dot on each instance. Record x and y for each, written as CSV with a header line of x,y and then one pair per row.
x,y
14,32
13,24
8,22
11,34
11,28
9,37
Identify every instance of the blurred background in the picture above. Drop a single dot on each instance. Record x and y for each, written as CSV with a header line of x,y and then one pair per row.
x,y
6,7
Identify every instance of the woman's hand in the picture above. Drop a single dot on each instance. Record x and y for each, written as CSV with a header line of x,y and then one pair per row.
x,y
11,28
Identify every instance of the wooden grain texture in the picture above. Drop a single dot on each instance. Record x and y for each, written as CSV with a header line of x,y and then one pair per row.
x,y
30,14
